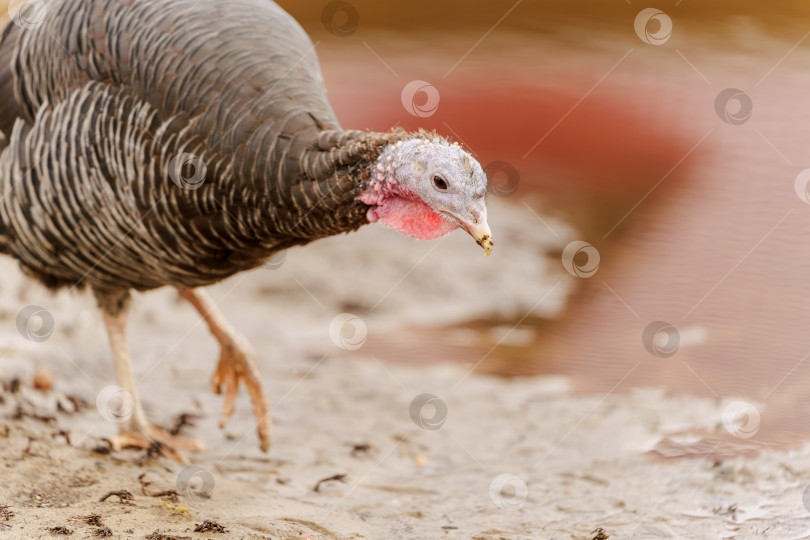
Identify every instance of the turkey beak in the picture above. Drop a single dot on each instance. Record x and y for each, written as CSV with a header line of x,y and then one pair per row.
x,y
476,225
481,233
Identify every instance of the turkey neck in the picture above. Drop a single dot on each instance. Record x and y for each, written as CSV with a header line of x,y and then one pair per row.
x,y
309,186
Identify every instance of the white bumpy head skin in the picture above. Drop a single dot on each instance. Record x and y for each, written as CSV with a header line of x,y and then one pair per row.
x,y
426,187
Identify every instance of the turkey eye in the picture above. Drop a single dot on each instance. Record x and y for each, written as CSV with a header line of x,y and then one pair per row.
x,y
439,182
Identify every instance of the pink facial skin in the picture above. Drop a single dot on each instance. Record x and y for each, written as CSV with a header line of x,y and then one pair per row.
x,y
406,213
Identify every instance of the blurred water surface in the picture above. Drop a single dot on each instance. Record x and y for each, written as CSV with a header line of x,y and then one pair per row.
x,y
692,205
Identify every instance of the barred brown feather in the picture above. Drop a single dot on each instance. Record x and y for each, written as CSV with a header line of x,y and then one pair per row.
x,y
96,102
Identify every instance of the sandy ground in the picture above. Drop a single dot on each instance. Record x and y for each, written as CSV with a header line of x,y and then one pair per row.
x,y
488,458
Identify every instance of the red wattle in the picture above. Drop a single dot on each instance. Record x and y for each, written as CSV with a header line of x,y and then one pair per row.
x,y
412,217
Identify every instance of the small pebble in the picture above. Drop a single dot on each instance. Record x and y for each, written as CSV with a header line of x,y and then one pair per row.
x,y
43,379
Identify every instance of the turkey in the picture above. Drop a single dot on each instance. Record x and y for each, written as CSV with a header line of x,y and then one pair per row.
x,y
153,143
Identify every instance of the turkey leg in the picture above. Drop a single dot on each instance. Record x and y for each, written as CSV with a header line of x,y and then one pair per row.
x,y
237,362
125,406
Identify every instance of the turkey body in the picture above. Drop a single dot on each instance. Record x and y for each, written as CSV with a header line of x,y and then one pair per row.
x,y
168,142
152,143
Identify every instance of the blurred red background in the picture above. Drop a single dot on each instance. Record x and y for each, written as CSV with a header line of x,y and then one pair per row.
x,y
696,219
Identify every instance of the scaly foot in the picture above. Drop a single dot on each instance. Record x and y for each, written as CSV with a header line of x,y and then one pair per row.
x,y
153,438
237,363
